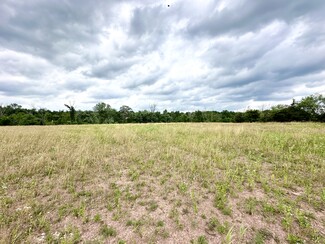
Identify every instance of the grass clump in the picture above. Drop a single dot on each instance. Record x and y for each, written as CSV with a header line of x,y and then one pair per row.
x,y
97,218
262,235
200,240
107,231
221,198
152,206
250,205
215,226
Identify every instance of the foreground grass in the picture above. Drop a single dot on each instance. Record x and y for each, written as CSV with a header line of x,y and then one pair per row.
x,y
174,183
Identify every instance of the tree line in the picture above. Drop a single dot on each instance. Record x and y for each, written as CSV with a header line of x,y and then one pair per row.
x,y
310,108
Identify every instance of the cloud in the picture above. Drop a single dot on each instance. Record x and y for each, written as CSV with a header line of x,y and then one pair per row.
x,y
213,55
109,69
21,64
16,87
238,17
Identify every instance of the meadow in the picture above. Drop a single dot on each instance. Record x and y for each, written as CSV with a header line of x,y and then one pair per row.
x,y
163,183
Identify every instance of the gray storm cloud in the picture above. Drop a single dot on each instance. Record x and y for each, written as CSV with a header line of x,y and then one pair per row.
x,y
192,55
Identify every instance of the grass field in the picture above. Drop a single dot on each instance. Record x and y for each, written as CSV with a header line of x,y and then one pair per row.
x,y
165,183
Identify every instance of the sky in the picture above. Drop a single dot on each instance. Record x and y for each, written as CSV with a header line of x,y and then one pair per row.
x,y
193,55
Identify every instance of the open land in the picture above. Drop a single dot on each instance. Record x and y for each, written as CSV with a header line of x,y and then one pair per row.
x,y
163,183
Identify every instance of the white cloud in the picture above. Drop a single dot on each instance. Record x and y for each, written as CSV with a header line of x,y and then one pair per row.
x,y
192,55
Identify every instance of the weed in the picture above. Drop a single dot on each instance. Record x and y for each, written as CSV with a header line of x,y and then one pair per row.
x,y
162,232
63,211
215,225
136,224
268,209
293,239
200,240
173,214
182,187
97,218
302,219
185,211
212,224
221,199
223,228
194,202
152,206
160,223
250,205
80,211
242,232
84,194
229,237
262,235
134,175
6,202
70,235
287,220
323,195
114,201
107,231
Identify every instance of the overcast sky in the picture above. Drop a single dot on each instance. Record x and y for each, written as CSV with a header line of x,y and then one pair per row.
x,y
198,54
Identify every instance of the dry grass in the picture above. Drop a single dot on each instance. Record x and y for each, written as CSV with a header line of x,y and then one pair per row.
x,y
166,183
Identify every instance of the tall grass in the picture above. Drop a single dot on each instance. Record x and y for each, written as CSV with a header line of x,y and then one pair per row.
x,y
163,183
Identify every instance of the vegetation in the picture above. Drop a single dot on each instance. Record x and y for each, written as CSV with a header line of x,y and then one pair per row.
x,y
184,183
310,108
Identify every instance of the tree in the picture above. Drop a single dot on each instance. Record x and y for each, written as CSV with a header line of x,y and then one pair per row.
x,y
227,116
72,112
87,117
165,116
103,111
252,115
198,116
314,105
239,117
11,109
266,115
126,114
42,116
5,120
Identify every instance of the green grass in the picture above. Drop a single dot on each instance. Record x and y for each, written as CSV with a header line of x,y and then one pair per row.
x,y
107,231
199,183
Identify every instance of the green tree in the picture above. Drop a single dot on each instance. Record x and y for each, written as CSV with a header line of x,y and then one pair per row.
x,y
252,115
5,120
87,117
239,117
314,105
227,116
166,116
103,111
126,114
198,116
1,111
72,112
41,116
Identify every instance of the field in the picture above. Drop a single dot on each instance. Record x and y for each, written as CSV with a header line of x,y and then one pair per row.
x,y
163,183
